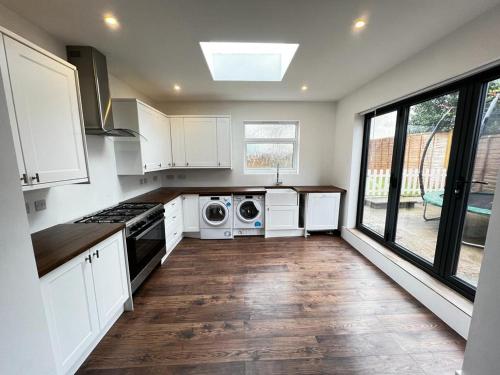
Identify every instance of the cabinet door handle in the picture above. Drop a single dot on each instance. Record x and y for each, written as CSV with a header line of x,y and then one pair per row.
x,y
24,178
159,165
219,164
169,164
173,164
96,254
187,164
174,217
145,166
35,177
88,259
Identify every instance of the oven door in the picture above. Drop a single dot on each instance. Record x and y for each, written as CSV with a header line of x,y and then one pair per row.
x,y
144,247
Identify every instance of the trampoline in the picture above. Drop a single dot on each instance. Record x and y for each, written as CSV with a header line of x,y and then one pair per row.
x,y
479,203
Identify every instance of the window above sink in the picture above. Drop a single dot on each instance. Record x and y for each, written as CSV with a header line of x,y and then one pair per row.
x,y
269,145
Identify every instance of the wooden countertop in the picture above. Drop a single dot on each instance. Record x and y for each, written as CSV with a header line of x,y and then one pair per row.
x,y
319,189
165,195
56,245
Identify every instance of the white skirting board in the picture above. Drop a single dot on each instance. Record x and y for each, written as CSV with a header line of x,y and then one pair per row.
x,y
456,315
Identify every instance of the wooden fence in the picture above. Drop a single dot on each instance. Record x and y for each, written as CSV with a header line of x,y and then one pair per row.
x,y
378,180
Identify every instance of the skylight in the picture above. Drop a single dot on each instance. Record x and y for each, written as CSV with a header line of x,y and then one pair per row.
x,y
248,61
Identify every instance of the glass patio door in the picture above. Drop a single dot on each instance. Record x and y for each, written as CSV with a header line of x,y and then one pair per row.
x,y
429,170
428,142
479,187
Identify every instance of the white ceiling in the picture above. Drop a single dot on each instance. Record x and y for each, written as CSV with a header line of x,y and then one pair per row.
x,y
157,44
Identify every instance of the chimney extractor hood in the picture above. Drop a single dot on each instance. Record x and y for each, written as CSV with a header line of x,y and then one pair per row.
x,y
94,90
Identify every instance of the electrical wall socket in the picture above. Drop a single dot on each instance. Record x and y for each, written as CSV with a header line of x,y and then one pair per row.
x,y
27,204
181,176
155,178
141,181
145,180
40,205
169,176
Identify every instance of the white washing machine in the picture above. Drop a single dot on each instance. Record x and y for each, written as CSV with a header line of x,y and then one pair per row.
x,y
248,215
216,217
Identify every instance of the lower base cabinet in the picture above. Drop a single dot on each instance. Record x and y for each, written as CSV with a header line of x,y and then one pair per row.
x,y
282,217
83,298
173,225
322,211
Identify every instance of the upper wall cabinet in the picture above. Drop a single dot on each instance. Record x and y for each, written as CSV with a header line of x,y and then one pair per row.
x,y
151,149
201,142
41,95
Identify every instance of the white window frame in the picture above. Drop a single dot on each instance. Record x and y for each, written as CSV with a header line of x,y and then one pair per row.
x,y
295,141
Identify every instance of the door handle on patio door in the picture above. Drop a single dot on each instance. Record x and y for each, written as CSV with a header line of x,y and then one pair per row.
x,y
459,185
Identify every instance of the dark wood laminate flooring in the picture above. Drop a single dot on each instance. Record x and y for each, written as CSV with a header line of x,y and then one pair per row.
x,y
275,306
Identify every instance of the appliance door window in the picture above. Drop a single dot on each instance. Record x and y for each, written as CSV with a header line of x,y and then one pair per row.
x,y
215,213
248,210
144,246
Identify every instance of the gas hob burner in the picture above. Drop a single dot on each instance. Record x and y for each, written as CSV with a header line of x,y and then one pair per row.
x,y
121,213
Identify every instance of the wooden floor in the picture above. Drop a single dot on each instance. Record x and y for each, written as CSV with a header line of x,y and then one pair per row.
x,y
274,306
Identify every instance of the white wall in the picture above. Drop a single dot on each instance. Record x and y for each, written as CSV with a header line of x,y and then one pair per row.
x,y
483,347
316,140
466,49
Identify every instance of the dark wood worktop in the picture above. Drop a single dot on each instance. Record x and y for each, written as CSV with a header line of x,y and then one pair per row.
x,y
166,194
56,245
319,189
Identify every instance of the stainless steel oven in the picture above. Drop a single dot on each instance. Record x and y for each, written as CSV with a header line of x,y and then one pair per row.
x,y
144,231
145,246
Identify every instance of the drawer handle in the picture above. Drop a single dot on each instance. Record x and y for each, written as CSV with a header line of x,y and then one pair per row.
x,y
96,254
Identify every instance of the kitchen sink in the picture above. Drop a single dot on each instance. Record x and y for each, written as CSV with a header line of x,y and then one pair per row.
x,y
281,197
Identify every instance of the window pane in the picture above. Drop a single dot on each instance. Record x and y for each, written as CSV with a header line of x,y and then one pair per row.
x,y
427,151
268,155
481,195
378,171
270,131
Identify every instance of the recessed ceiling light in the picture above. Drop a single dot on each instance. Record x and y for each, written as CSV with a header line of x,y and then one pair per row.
x,y
111,21
229,61
304,88
359,24
177,88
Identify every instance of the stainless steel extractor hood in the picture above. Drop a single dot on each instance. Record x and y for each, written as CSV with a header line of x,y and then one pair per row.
x,y
94,89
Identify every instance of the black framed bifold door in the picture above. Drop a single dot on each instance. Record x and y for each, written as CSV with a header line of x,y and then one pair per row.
x,y
428,176
475,185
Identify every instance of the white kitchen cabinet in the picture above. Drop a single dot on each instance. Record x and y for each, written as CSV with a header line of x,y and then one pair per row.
x,y
109,272
71,310
201,141
44,111
83,298
151,150
200,136
177,139
322,211
174,225
282,218
191,212
223,142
